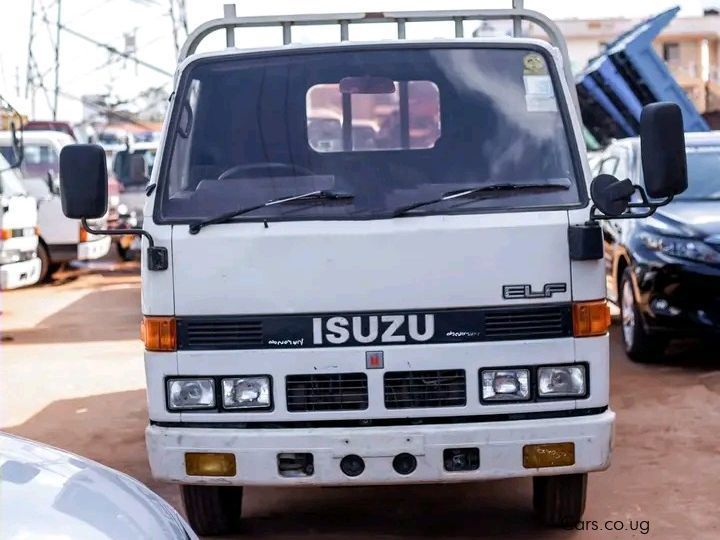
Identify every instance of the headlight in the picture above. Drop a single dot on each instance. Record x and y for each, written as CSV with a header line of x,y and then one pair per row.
x,y
683,248
505,384
9,256
246,393
561,381
190,394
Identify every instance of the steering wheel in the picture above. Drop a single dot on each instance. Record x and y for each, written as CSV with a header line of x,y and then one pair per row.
x,y
228,173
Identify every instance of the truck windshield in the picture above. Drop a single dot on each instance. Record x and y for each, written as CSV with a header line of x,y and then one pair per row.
x,y
392,125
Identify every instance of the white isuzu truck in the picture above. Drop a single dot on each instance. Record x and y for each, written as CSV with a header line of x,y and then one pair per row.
x,y
377,263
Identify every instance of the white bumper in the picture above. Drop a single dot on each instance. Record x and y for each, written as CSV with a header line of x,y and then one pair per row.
x,y
94,249
500,444
20,274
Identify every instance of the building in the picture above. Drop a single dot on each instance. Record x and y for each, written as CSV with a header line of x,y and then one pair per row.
x,y
689,45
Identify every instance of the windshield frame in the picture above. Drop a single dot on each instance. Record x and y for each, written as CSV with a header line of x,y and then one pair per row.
x,y
564,102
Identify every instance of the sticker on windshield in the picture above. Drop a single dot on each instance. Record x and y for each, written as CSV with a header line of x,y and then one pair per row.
x,y
539,93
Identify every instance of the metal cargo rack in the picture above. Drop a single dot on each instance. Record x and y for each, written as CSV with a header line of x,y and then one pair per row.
x,y
344,21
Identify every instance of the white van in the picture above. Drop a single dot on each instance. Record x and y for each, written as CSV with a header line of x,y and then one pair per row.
x,y
19,264
61,239
419,300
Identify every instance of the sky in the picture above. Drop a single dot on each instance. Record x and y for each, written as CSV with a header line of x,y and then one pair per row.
x,y
88,69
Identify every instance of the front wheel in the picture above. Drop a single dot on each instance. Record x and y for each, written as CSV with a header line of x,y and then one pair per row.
x,y
47,266
213,510
559,501
640,345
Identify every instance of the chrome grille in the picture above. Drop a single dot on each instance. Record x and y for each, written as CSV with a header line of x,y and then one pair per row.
x,y
420,389
326,392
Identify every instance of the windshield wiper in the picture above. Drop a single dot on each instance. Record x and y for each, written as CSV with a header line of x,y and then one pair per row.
x,y
311,195
486,190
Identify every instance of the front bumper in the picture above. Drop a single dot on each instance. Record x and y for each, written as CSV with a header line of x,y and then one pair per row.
x,y
500,444
19,274
94,249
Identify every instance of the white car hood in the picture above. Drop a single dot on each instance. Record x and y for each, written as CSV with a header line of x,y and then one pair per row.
x,y
47,493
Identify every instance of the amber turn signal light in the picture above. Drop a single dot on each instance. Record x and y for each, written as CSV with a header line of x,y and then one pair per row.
x,y
591,318
83,236
159,333
7,234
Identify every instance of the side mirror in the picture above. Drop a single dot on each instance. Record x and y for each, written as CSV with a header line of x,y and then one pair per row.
x,y
138,169
662,144
83,181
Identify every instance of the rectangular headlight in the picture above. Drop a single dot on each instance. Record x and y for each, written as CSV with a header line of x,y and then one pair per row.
x,y
505,384
246,393
561,381
190,394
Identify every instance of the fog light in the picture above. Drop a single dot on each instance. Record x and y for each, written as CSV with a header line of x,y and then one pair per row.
x,y
202,464
190,394
246,393
505,384
536,456
561,381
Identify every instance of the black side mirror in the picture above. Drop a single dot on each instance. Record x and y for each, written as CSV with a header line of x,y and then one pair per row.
x,y
662,143
83,181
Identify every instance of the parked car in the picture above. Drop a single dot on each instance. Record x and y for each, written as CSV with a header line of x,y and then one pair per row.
x,y
48,493
61,239
19,263
665,270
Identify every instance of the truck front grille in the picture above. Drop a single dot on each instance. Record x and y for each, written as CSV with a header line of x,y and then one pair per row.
x,y
214,334
420,389
326,392
550,322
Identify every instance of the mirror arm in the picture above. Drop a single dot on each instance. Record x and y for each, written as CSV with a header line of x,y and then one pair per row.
x,y
157,256
649,206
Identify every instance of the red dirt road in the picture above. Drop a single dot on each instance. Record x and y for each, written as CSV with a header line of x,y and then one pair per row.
x,y
71,375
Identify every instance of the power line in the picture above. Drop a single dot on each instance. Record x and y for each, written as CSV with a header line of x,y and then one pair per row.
x,y
112,49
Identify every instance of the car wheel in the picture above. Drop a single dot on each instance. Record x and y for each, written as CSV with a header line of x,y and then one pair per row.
x,y
559,501
213,510
640,345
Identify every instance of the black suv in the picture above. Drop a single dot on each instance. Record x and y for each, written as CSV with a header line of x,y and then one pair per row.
x,y
664,271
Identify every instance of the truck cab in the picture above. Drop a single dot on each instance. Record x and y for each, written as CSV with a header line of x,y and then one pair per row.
x,y
19,264
61,240
375,263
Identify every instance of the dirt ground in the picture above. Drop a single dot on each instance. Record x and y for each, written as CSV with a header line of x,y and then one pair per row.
x,y
71,375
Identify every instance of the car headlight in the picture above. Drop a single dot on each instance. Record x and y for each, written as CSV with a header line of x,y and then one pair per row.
x,y
505,384
190,394
246,393
683,248
561,381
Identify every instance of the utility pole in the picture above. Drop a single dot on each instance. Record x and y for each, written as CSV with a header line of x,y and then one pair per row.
x,y
29,78
57,59
178,17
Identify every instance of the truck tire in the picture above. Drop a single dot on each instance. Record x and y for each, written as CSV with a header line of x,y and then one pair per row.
x,y
213,510
559,501
640,345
